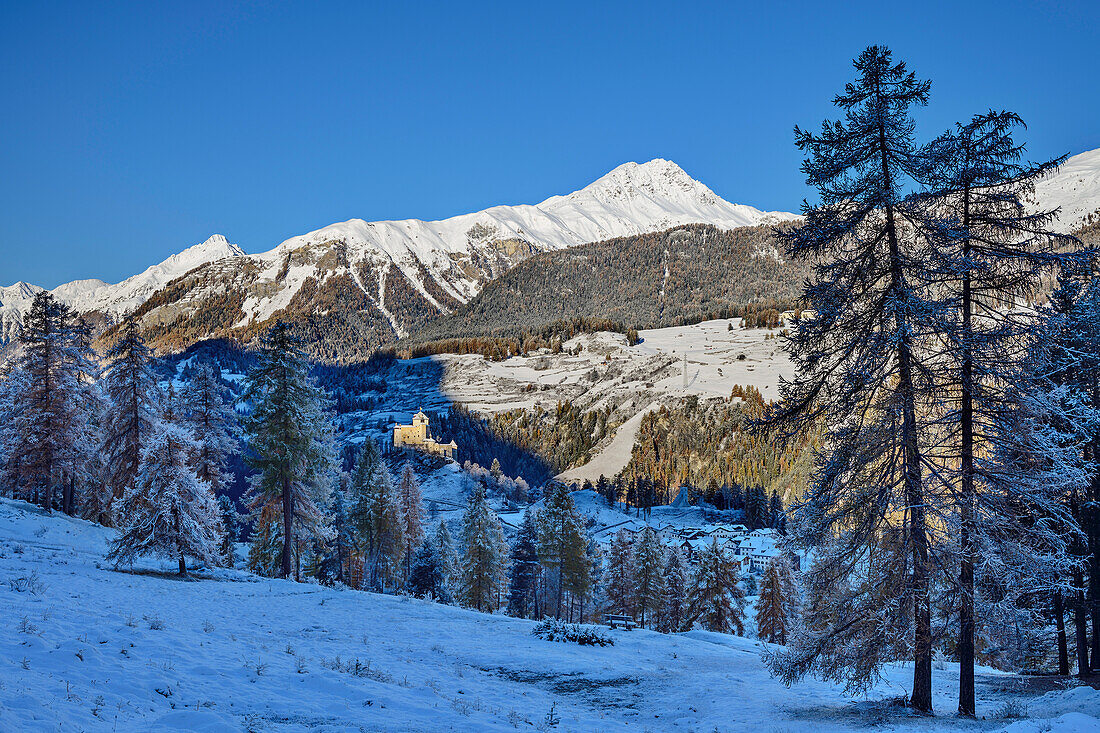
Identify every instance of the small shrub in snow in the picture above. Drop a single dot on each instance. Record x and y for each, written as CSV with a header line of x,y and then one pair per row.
x,y
155,623
357,669
131,621
555,630
26,627
207,626
1011,710
27,584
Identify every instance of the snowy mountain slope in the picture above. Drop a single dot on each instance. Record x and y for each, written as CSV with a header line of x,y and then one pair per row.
x,y
84,647
97,296
1075,189
363,283
15,300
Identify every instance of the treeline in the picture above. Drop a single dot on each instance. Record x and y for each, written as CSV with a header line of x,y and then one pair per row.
x,y
112,444
509,342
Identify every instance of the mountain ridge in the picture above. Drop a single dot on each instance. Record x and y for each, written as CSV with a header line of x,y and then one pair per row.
x,y
376,282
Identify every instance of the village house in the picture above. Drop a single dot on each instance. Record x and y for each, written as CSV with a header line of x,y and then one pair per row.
x,y
418,436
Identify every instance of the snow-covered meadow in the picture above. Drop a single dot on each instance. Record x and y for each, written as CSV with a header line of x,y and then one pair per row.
x,y
85,647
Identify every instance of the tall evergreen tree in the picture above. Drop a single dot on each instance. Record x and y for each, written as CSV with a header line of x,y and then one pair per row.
x,y
649,578
131,390
381,527
605,488
290,435
1052,446
993,251
52,421
343,533
619,576
562,545
484,554
213,423
672,618
13,385
715,599
775,510
448,558
777,602
858,372
523,585
426,574
231,521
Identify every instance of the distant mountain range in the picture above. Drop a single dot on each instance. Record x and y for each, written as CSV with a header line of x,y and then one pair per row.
x,y
356,285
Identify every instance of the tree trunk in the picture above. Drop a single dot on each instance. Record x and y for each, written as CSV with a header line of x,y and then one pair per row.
x,y
1091,524
1080,621
921,698
183,566
1060,624
68,486
288,524
966,567
922,615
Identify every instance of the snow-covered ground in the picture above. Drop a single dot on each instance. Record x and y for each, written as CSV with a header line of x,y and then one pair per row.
x,y
85,647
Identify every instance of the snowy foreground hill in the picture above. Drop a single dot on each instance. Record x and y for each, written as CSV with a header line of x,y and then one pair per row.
x,y
84,647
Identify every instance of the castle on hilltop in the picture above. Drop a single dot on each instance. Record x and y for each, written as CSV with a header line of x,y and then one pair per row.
x,y
419,437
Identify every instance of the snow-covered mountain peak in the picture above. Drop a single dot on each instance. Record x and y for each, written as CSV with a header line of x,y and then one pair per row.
x,y
657,179
216,248
1074,189
18,291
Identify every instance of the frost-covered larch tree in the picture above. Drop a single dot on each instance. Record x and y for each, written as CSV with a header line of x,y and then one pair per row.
x,y
13,385
484,563
524,582
375,513
777,603
562,544
231,522
993,250
649,578
448,558
1051,443
213,423
426,574
131,392
168,510
859,374
290,435
412,515
672,617
715,600
51,427
619,575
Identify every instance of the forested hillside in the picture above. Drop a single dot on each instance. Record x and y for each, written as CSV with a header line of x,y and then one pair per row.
x,y
708,445
650,280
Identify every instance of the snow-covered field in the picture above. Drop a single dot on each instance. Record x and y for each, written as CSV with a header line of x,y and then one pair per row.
x,y
84,647
606,372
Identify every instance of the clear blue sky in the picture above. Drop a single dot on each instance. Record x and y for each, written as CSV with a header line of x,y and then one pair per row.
x,y
131,131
